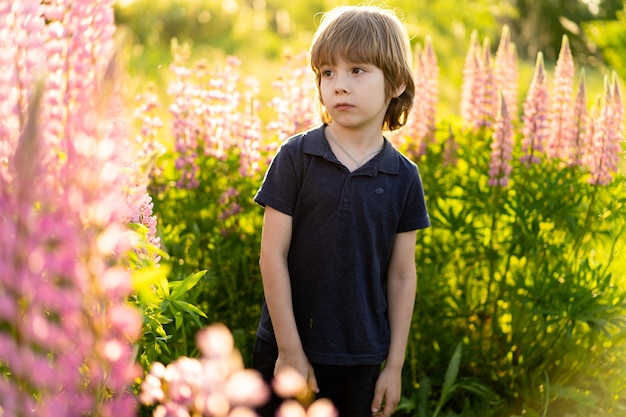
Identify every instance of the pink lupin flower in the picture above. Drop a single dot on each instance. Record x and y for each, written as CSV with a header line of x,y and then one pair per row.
x,y
501,148
21,43
471,87
249,132
140,211
216,384
296,101
64,239
618,110
581,124
535,116
479,99
420,126
431,70
506,72
489,100
212,119
186,110
606,133
561,130
149,147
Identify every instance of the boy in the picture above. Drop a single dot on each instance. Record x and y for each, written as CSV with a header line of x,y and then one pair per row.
x,y
342,207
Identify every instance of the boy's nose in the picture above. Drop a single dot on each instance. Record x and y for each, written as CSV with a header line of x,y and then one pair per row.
x,y
341,85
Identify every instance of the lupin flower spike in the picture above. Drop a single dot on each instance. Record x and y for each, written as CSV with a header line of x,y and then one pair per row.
x,y
535,116
501,148
561,131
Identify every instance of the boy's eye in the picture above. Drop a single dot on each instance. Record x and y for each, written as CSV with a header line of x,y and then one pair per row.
x,y
358,70
326,73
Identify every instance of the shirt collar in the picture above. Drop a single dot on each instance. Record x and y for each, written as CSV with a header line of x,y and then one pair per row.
x,y
316,144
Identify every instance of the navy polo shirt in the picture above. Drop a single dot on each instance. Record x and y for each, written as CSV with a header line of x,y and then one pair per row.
x,y
344,225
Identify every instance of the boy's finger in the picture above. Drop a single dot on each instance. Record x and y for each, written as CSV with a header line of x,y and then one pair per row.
x,y
389,407
377,403
312,381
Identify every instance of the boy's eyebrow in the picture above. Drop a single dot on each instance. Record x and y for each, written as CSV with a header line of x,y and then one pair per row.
x,y
347,61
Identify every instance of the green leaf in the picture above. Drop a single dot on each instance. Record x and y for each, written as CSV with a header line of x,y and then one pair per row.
x,y
191,309
145,279
187,284
452,372
178,318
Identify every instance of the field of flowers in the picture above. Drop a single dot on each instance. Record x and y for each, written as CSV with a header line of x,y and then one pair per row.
x,y
129,280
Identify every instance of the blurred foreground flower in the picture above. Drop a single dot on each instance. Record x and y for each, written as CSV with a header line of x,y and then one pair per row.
x,y
292,387
216,384
67,194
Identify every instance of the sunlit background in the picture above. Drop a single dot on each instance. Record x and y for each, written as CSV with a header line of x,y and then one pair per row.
x,y
260,32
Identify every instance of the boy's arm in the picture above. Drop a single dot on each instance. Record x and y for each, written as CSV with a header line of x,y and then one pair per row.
x,y
401,287
275,242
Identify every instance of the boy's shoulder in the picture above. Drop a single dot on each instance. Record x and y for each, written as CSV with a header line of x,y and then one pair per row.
x,y
311,141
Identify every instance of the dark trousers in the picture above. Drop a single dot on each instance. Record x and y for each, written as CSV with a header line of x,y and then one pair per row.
x,y
350,388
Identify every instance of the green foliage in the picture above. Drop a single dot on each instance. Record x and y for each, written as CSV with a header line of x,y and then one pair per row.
x,y
529,278
165,305
166,308
197,237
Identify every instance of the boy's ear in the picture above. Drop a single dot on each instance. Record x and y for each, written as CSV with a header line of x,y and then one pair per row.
x,y
398,92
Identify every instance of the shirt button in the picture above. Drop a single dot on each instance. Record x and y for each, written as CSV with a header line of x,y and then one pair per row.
x,y
346,199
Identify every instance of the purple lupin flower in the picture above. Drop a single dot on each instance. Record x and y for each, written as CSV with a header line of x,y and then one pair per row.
x,y
606,133
506,72
560,138
501,148
535,116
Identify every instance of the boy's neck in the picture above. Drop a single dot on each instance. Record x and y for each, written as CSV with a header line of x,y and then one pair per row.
x,y
353,150
358,140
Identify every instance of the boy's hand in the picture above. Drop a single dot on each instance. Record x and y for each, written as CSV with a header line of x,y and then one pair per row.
x,y
301,364
386,393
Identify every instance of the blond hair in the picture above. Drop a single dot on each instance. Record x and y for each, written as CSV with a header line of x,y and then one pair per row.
x,y
372,35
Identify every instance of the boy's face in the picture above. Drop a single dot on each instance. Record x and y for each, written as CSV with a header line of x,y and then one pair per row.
x,y
354,94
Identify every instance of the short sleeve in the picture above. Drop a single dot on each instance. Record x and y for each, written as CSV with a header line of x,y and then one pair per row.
x,y
280,187
415,214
